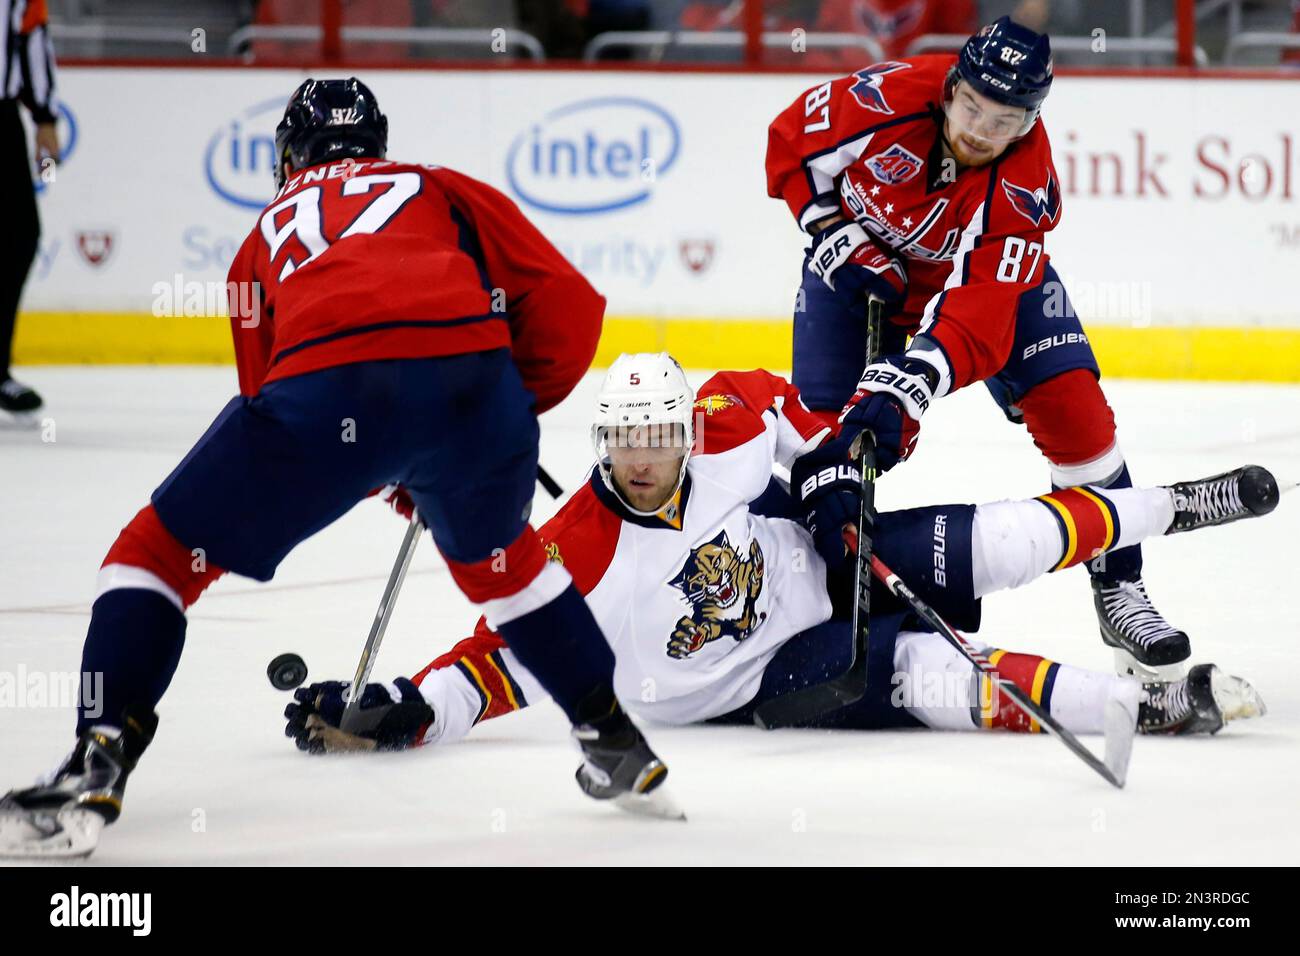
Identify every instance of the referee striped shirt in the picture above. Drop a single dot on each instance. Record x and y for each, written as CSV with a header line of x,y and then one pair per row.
x,y
26,57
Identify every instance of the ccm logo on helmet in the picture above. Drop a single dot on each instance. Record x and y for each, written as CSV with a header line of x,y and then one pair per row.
x,y
826,476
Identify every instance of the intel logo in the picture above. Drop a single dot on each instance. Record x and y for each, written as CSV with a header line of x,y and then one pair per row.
x,y
240,158
593,156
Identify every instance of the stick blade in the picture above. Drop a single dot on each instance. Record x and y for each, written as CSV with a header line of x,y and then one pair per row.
x,y
1121,727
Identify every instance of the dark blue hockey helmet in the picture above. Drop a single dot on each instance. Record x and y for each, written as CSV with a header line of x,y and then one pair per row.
x,y
1009,63
329,119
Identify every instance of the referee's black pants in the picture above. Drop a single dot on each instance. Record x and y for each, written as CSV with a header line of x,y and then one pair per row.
x,y
21,227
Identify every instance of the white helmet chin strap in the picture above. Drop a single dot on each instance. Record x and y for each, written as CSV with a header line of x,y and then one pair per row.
x,y
607,474
648,389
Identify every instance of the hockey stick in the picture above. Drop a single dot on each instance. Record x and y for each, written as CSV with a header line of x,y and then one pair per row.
x,y
806,704
550,484
382,616
1119,729
389,598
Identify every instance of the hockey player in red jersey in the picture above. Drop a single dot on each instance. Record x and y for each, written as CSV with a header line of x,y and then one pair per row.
x,y
715,601
408,327
929,183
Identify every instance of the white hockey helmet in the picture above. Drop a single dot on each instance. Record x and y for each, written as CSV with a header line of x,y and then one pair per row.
x,y
644,389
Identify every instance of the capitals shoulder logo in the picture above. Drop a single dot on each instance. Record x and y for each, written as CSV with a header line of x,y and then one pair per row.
x,y
1035,204
895,165
868,88
722,590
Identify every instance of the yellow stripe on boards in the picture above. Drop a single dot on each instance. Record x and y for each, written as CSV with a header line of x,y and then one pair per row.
x,y
1207,354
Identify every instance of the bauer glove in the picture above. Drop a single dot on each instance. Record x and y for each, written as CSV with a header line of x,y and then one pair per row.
x,y
843,256
829,489
892,395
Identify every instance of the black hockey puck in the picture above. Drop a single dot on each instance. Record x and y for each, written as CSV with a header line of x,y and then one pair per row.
x,y
287,672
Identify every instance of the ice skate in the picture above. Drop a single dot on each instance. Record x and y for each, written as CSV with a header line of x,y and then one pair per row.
x,y
1247,492
62,815
1200,703
619,765
21,402
1146,645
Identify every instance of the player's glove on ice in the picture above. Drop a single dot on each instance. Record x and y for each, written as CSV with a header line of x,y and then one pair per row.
x,y
390,717
828,487
843,256
892,396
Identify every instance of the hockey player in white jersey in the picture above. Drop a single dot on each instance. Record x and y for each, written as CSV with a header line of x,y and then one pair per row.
x,y
715,598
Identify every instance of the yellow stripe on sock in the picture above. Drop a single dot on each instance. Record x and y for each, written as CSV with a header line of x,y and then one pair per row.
x,y
505,682
1104,508
482,685
1071,532
1040,678
987,690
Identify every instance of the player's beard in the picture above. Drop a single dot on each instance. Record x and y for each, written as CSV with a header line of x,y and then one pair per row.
x,y
968,153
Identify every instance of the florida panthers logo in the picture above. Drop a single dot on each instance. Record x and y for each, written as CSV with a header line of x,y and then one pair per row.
x,y
1035,204
722,590
895,165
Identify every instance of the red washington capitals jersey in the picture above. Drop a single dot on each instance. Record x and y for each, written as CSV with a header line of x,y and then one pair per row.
x,y
369,260
869,146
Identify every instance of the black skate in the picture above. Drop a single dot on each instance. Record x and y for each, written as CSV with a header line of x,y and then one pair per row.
x,y
1200,703
19,400
1146,645
62,815
619,765
1247,492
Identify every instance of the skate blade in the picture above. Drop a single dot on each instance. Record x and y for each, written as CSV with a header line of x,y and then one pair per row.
x,y
21,421
657,803
1236,699
1121,727
71,834
1126,665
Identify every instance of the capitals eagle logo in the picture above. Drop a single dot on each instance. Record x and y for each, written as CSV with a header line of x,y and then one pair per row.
x,y
1035,204
722,589
867,90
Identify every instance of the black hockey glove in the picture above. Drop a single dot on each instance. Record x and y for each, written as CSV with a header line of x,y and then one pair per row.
x,y
382,721
829,489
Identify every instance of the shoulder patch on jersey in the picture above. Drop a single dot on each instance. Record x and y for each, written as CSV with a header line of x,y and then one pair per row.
x,y
1035,204
868,88
895,165
716,403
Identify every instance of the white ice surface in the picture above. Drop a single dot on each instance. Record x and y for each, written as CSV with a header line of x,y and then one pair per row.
x,y
221,783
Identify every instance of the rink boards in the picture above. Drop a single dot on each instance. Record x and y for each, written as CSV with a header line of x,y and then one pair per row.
x,y
1178,242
